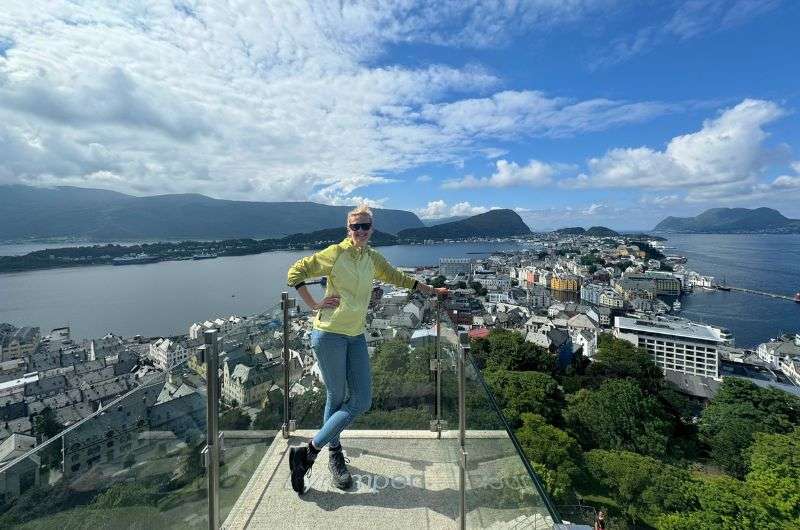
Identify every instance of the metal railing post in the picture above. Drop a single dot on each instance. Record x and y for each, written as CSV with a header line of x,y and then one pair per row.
x,y
286,304
438,368
463,346
212,425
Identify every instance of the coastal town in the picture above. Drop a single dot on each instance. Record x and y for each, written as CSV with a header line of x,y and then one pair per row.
x,y
561,293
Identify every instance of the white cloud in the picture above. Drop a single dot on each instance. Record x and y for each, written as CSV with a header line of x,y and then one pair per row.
x,y
786,182
507,174
510,113
661,200
266,100
594,209
434,210
439,208
465,208
727,152
493,152
424,178
689,20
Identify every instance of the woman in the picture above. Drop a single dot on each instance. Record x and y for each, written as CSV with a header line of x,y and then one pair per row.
x,y
338,336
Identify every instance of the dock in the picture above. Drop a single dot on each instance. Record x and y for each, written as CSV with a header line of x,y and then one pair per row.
x,y
754,291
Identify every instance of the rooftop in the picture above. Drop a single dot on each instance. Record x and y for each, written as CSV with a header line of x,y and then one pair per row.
x,y
672,327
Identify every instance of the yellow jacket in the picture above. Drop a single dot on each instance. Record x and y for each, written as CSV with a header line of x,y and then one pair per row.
x,y
350,271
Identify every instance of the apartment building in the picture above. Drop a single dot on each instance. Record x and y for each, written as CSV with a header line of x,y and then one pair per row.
x,y
675,344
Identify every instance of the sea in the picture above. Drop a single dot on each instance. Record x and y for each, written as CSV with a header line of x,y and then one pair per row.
x,y
163,299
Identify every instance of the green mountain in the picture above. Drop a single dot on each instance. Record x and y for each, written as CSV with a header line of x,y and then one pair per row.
x,y
494,223
570,231
443,220
102,215
601,231
732,221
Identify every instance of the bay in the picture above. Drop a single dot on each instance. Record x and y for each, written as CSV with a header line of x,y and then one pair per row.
x,y
165,298
161,299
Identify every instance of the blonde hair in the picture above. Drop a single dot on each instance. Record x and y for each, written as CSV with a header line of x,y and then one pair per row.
x,y
359,210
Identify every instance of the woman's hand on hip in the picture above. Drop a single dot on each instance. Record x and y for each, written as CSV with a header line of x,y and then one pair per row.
x,y
328,301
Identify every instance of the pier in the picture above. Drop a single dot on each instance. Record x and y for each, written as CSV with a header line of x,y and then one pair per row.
x,y
754,291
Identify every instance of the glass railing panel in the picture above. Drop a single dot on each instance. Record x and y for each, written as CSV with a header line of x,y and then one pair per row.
x,y
400,348
502,488
251,406
134,462
449,348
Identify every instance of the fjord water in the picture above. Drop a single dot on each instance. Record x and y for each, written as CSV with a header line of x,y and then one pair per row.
x,y
765,262
164,298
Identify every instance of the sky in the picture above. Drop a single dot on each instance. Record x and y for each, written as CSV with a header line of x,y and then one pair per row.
x,y
571,112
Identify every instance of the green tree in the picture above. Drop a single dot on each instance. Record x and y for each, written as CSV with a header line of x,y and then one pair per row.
x,y
618,416
723,503
643,486
521,392
478,287
46,425
508,350
269,418
234,420
438,281
555,451
738,411
617,358
124,494
774,475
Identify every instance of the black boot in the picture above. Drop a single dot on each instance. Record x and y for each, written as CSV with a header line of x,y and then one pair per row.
x,y
300,461
342,478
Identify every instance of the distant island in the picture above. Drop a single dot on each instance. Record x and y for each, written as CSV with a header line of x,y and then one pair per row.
x,y
732,221
65,212
113,254
494,223
595,231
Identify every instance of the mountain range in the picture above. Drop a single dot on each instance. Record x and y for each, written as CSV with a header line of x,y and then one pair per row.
x,y
494,223
101,215
732,221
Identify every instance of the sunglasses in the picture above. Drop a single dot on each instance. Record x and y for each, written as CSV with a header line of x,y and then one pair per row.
x,y
360,226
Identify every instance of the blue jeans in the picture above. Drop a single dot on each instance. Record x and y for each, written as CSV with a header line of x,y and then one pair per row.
x,y
344,363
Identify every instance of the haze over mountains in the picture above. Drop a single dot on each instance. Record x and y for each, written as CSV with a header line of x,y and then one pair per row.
x,y
732,221
101,215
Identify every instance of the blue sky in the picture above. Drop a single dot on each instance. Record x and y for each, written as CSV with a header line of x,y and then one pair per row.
x,y
573,113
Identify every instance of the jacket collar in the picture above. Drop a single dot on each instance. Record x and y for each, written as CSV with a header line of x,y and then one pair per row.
x,y
347,243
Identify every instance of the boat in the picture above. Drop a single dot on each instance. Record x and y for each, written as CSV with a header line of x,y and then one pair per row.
x,y
204,256
135,259
797,297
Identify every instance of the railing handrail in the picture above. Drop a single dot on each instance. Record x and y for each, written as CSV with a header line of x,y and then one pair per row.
x,y
93,415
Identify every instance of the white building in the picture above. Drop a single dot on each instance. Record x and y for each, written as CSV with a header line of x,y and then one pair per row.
x,y
675,344
166,353
777,349
584,340
451,267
